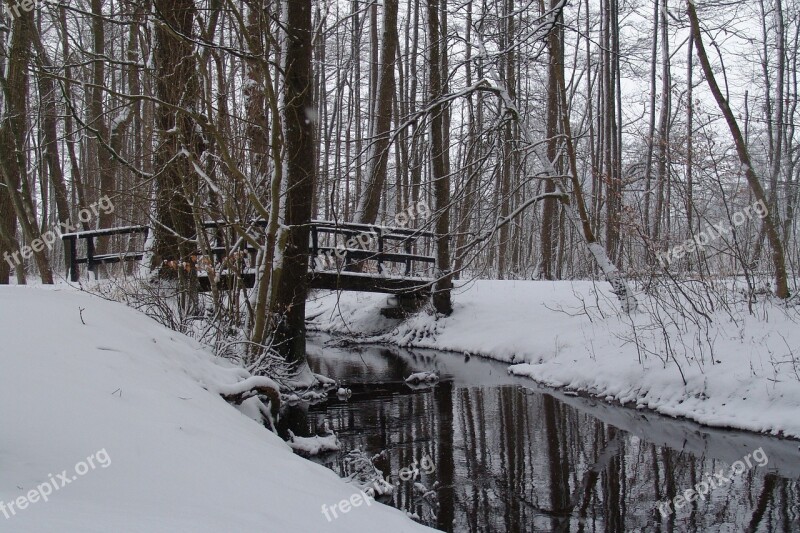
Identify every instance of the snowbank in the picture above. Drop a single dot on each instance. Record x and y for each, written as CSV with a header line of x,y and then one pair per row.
x,y
740,372
180,459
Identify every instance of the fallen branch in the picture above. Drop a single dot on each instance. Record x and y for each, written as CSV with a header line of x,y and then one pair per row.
x,y
237,393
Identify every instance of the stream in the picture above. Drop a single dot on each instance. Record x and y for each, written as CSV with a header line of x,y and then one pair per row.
x,y
483,451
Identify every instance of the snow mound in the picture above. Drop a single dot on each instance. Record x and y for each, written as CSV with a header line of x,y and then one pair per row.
x,y
315,445
180,457
422,378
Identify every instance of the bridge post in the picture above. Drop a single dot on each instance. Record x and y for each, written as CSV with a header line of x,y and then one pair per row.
x,y
71,258
408,249
380,251
314,246
90,255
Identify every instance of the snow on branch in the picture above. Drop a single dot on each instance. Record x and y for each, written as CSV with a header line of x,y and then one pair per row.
x,y
236,393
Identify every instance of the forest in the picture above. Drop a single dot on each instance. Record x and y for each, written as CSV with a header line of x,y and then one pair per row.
x,y
636,141
502,265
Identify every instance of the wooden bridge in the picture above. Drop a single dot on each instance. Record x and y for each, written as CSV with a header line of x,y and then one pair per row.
x,y
343,256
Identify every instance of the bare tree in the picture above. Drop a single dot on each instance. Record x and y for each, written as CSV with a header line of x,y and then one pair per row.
x,y
771,219
178,89
13,156
292,288
550,205
378,154
439,164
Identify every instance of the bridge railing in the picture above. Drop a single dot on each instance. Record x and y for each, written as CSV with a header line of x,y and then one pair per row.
x,y
346,245
333,247
92,259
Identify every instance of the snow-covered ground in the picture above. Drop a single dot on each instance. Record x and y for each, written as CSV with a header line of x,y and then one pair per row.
x,y
124,418
739,370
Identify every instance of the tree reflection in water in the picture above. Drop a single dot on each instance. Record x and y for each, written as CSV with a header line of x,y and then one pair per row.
x,y
511,458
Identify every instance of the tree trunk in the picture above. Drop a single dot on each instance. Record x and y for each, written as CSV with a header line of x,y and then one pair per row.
x,y
177,85
439,154
690,137
473,151
504,189
8,224
292,288
771,220
49,112
13,160
378,157
550,206
78,187
103,159
651,128
663,128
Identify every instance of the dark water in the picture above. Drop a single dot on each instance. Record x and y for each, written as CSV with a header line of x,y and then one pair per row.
x,y
501,454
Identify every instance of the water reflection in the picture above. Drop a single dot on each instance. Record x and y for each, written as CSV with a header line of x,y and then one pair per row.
x,y
509,457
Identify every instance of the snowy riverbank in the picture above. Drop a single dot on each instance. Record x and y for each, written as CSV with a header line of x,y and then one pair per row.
x,y
738,370
129,413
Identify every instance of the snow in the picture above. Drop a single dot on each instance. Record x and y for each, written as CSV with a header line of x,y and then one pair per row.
x,y
422,377
181,458
315,445
246,385
740,371
100,232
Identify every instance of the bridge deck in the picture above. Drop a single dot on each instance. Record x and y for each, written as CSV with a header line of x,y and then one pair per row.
x,y
339,281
